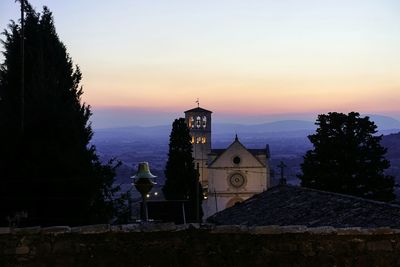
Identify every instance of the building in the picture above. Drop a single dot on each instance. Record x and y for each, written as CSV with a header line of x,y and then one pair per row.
x,y
199,123
228,175
286,205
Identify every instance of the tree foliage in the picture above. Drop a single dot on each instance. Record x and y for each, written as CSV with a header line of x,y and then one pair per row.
x,y
347,158
49,170
181,176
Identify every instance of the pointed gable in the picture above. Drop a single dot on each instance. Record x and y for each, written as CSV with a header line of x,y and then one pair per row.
x,y
224,157
198,110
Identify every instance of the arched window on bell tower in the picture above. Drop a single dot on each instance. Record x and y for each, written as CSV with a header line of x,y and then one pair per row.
x,y
198,122
191,122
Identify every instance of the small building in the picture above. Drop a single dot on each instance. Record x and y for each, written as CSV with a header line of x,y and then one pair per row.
x,y
286,205
229,175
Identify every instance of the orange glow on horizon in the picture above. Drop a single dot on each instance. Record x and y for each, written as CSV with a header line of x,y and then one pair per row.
x,y
245,94
238,57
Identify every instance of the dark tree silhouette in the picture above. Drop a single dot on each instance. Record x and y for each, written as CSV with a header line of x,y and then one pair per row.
x,y
181,177
48,171
347,158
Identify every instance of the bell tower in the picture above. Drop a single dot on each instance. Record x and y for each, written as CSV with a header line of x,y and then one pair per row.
x,y
199,123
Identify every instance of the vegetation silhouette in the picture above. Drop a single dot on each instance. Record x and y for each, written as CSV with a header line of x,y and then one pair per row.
x,y
49,171
181,176
347,158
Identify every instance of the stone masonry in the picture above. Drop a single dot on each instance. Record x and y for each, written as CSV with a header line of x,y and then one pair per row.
x,y
195,245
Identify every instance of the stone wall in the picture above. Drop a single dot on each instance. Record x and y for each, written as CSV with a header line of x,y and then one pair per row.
x,y
191,245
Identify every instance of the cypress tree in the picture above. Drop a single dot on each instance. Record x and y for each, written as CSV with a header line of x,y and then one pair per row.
x,y
347,158
49,170
181,176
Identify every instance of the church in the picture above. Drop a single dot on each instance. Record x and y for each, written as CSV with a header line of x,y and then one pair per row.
x,y
229,175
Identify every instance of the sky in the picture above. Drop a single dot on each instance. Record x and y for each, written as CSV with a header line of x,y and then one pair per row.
x,y
145,62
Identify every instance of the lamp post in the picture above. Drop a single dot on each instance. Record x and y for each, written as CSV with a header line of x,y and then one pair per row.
x,y
143,183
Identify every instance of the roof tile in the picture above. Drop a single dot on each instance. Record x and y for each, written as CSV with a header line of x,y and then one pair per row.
x,y
293,205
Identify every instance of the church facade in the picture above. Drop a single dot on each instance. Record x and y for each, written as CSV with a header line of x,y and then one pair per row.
x,y
228,175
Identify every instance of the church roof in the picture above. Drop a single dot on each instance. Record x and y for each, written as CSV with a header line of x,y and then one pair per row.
x,y
293,205
198,109
255,152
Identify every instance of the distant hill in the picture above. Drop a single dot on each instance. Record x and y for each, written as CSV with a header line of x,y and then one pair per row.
x,y
133,133
303,128
277,126
385,123
392,143
287,141
290,128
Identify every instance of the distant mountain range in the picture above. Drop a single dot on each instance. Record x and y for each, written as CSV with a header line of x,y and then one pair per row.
x,y
277,126
289,128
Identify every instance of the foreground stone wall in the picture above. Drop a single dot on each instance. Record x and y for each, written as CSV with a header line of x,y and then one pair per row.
x,y
191,245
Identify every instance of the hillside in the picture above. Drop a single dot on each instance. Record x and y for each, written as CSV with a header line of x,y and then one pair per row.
x,y
392,143
287,140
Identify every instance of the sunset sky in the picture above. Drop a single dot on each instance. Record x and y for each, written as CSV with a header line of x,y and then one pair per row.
x,y
259,59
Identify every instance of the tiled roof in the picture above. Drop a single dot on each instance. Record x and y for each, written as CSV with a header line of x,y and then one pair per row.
x,y
198,109
293,205
254,151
